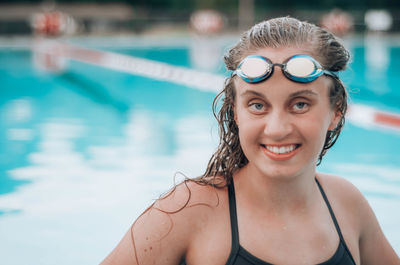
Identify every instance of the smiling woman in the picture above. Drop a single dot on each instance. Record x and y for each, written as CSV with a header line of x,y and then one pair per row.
x,y
260,198
284,118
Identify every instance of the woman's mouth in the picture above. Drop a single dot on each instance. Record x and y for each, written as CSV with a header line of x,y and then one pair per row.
x,y
280,152
282,149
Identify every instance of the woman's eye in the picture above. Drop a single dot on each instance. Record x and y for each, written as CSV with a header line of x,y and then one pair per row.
x,y
300,106
258,107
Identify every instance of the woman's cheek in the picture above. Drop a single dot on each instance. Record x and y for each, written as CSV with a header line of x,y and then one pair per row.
x,y
315,130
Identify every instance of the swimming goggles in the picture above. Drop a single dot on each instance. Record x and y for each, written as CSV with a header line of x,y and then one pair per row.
x,y
299,68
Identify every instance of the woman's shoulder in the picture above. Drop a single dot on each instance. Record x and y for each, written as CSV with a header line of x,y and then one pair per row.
x,y
340,188
187,207
347,201
356,217
170,224
201,195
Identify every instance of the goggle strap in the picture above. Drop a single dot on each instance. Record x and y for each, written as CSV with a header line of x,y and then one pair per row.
x,y
331,73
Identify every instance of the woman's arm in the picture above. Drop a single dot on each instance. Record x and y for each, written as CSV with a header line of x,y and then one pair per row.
x,y
374,247
159,236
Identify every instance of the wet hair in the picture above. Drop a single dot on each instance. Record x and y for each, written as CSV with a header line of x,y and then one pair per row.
x,y
274,33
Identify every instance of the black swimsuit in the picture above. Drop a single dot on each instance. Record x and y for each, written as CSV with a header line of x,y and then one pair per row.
x,y
240,256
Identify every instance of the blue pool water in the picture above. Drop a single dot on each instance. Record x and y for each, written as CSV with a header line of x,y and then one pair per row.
x,y
83,151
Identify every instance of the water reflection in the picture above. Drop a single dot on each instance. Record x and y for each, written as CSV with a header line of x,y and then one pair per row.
x,y
377,58
59,170
15,114
74,193
205,53
19,110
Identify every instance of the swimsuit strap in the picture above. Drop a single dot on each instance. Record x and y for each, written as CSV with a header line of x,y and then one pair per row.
x,y
234,223
334,220
330,210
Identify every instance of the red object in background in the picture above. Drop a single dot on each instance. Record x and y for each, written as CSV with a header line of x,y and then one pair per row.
x,y
387,119
50,23
338,22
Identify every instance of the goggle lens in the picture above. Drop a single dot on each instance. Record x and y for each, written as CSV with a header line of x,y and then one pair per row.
x,y
299,68
254,67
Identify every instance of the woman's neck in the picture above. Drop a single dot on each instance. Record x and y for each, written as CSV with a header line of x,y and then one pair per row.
x,y
276,194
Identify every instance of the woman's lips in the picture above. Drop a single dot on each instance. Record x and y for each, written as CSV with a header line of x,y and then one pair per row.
x,y
281,152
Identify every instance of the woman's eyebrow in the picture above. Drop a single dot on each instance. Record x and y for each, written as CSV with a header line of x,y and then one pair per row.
x,y
253,93
305,92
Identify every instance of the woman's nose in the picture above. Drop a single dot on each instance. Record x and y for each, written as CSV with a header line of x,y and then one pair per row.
x,y
277,125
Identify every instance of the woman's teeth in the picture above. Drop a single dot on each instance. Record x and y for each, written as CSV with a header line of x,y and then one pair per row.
x,y
282,149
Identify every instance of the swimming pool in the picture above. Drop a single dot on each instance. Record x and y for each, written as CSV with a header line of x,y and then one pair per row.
x,y
84,149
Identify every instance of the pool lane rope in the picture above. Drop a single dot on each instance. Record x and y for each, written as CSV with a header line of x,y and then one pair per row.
x,y
361,115
133,65
367,117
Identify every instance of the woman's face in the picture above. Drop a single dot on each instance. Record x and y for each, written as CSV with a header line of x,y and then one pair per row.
x,y
283,124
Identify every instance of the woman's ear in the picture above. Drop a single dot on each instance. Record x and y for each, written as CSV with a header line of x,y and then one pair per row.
x,y
337,116
234,113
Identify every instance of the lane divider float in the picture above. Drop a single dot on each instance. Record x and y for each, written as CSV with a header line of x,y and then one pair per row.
x,y
138,66
367,117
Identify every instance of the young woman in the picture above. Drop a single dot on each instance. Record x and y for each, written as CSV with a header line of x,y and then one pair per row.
x,y
261,200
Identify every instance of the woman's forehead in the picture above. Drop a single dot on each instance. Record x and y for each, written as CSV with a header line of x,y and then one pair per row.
x,y
278,85
280,54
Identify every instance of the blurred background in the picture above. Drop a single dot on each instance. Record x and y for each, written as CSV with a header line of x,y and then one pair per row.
x,y
104,105
106,16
